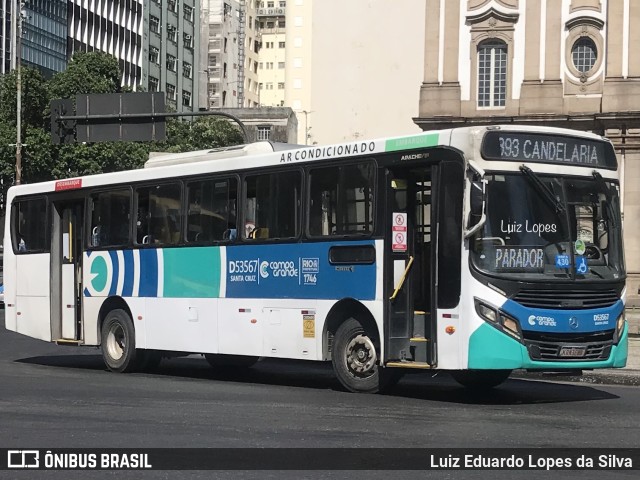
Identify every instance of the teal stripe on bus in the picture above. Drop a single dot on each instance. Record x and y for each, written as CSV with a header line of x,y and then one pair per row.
x,y
192,272
407,143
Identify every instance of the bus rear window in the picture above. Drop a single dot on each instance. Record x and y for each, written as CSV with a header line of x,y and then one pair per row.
x,y
29,218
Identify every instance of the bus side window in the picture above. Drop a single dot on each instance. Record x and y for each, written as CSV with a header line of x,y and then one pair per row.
x,y
110,218
272,205
211,210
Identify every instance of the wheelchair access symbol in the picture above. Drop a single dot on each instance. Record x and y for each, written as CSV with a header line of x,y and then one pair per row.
x,y
581,265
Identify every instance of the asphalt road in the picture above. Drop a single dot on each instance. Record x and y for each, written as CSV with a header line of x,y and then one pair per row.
x,y
59,397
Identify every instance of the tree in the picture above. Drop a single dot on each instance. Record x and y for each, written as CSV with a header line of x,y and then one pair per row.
x,y
87,72
35,98
201,134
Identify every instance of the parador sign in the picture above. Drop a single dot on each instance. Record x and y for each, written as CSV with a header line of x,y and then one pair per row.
x,y
558,149
327,152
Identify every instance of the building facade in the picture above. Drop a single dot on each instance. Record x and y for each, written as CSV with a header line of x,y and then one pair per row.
x,y
111,26
272,57
352,67
7,35
44,35
171,52
565,63
232,46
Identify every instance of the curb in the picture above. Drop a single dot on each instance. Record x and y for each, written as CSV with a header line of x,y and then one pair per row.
x,y
629,377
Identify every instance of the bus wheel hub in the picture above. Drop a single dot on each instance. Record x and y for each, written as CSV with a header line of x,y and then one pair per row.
x,y
361,355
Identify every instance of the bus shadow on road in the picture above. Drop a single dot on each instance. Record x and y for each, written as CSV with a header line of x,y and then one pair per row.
x,y
319,375
442,388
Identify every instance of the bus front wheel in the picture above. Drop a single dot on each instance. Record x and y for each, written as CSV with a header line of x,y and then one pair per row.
x,y
118,341
479,379
355,359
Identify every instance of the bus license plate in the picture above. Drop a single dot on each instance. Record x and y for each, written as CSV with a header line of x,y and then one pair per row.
x,y
573,351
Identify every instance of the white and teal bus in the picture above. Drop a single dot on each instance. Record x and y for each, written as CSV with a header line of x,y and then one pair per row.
x,y
475,250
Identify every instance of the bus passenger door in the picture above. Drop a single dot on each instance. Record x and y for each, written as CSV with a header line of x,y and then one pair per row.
x,y
408,283
66,250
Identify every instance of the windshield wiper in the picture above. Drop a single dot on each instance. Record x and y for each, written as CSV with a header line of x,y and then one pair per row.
x,y
542,189
604,189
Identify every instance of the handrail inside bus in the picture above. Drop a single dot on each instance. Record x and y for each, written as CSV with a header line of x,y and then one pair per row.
x,y
402,279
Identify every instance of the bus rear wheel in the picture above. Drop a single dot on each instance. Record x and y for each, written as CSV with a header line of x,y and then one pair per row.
x,y
118,342
355,360
230,361
480,379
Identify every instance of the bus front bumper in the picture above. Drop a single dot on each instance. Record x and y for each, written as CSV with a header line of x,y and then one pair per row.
x,y
491,349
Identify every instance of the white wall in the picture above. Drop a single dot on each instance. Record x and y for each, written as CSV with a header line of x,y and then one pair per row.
x,y
366,68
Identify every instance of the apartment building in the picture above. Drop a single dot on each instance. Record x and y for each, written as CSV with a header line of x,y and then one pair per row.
x,y
566,63
111,26
232,46
272,58
170,52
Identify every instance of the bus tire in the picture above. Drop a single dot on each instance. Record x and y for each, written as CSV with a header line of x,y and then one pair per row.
x,y
230,361
480,379
355,359
118,342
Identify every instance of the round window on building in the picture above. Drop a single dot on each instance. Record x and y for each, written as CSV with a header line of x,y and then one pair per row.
x,y
585,54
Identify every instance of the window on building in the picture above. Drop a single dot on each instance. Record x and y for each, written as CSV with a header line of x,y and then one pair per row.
x,y
584,53
171,63
269,65
188,13
187,39
280,65
281,23
154,55
158,214
186,69
270,4
264,132
281,44
492,74
154,24
261,85
282,3
172,33
271,24
172,5
110,218
341,199
211,211
272,205
269,86
213,89
186,98
153,84
171,92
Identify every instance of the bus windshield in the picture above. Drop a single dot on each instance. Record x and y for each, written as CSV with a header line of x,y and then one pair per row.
x,y
550,228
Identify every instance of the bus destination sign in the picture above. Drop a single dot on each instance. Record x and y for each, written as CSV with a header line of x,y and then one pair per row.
x,y
542,148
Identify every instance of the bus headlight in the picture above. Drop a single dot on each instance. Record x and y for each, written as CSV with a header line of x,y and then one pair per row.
x,y
619,327
510,326
498,319
486,312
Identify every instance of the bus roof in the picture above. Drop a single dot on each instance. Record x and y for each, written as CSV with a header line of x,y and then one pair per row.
x,y
263,154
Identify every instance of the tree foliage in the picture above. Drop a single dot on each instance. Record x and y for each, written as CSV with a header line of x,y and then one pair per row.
x,y
87,73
